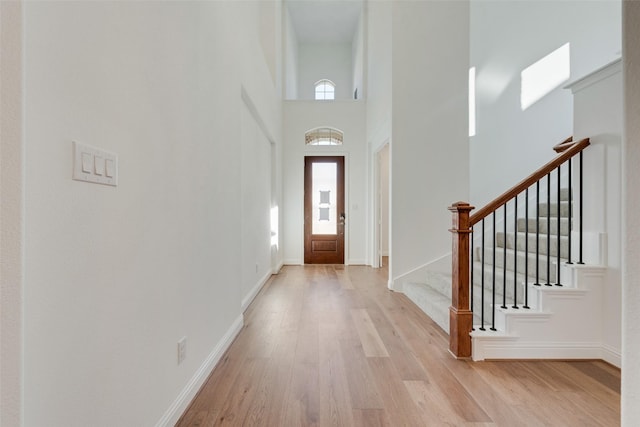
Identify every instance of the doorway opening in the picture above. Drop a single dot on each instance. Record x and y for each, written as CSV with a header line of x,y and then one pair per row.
x,y
382,251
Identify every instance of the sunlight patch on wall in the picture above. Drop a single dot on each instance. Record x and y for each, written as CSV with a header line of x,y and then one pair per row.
x,y
274,226
540,78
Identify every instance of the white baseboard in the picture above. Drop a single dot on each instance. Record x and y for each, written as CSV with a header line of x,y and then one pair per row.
x,y
356,262
278,268
292,261
254,291
177,408
612,355
510,348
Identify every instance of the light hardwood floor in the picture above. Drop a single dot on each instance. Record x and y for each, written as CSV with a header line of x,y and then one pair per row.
x,y
332,346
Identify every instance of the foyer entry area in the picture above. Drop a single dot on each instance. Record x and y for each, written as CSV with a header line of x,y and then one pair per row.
x,y
331,345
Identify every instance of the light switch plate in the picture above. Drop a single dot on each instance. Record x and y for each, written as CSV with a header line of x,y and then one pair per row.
x,y
110,168
91,164
99,165
86,162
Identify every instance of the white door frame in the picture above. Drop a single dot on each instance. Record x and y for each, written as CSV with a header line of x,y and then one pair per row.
x,y
377,205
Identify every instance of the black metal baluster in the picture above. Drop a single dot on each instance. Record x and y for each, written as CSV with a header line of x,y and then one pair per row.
x,y
515,252
570,219
581,194
548,281
504,261
471,278
537,233
493,289
558,244
526,248
482,282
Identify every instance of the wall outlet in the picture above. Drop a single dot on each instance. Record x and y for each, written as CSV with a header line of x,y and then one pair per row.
x,y
182,349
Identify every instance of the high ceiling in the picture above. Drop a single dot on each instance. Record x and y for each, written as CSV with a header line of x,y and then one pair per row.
x,y
325,21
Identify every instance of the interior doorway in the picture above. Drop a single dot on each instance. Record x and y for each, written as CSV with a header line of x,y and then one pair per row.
x,y
382,210
324,213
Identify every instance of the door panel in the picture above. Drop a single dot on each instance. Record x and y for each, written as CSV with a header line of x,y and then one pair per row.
x,y
324,216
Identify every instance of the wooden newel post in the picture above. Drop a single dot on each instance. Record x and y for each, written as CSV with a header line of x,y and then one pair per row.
x,y
460,317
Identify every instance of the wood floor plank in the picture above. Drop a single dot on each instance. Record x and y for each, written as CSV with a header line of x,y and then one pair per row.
x,y
343,278
301,405
400,408
407,365
362,387
335,400
268,407
371,341
302,401
218,386
331,345
483,393
600,393
242,394
455,391
370,418
432,402
200,419
600,372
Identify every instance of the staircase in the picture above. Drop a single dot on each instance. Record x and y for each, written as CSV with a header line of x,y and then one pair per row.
x,y
531,297
433,295
535,243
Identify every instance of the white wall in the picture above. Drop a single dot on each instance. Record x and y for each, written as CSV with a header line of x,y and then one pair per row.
x,y
378,72
631,205
384,200
358,50
349,117
507,37
378,66
290,57
11,213
114,277
269,28
331,61
598,115
255,221
429,148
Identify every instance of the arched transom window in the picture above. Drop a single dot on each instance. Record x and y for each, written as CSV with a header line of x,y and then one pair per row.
x,y
323,136
325,89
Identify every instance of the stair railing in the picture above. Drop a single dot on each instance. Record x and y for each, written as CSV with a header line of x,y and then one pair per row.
x,y
461,310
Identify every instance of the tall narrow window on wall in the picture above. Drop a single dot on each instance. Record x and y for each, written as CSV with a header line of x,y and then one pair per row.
x,y
323,136
325,89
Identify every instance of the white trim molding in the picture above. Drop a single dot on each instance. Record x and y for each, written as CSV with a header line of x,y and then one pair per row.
x,y
177,408
246,301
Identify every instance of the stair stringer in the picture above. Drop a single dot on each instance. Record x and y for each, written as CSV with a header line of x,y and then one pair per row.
x,y
563,323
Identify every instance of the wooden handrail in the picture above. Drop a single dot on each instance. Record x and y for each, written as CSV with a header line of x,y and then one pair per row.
x,y
564,145
567,153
